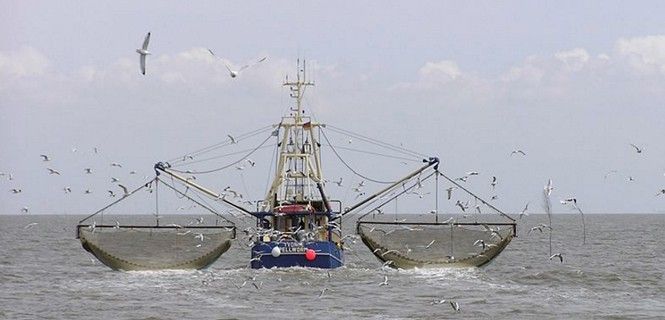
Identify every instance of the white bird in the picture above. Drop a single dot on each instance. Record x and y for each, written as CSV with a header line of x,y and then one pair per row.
x,y
233,140
115,164
113,180
124,189
67,189
430,244
494,182
338,183
111,194
472,173
87,191
45,157
88,170
30,225
662,191
199,236
637,149
235,73
454,305
385,281
480,243
523,212
16,190
132,172
322,292
25,209
549,187
143,52
557,255
52,171
251,162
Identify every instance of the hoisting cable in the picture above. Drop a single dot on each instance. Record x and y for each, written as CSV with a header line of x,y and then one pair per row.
x,y
477,197
220,144
226,166
207,207
114,202
375,153
349,167
377,142
217,157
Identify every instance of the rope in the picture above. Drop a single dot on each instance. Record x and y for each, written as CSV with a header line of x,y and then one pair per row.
x,y
376,153
477,197
349,167
220,144
378,142
199,203
218,157
226,166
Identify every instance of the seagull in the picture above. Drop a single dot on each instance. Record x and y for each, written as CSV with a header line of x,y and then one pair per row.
x,y
251,162
387,264
88,170
235,73
518,152
115,164
454,305
459,204
662,191
523,212
199,236
124,189
16,190
557,255
87,191
143,51
233,140
113,180
637,149
472,173
258,287
67,189
549,187
493,183
463,179
132,172
25,209
479,243
111,194
30,225
338,183
52,171
322,292
385,281
45,157
430,244
450,191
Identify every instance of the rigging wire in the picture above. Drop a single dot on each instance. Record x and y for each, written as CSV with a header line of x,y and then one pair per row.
x,y
220,144
377,142
374,153
229,165
218,157
349,167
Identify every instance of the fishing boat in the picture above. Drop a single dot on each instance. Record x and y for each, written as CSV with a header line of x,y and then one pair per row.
x,y
297,223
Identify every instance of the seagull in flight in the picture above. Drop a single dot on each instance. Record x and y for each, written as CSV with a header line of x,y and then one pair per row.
x,y
338,183
52,171
16,190
661,192
549,187
450,191
143,52
494,182
88,170
115,164
124,189
67,189
45,157
637,149
235,73
233,140
385,281
523,212
25,209
518,151
557,255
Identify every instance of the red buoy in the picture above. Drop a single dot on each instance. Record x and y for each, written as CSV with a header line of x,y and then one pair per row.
x,y
310,255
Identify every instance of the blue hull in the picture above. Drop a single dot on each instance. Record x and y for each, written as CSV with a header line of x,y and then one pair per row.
x,y
292,254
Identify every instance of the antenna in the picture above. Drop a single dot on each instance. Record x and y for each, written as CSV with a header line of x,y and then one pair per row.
x,y
298,88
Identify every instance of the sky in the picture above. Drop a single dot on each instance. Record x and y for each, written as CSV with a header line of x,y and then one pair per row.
x,y
571,83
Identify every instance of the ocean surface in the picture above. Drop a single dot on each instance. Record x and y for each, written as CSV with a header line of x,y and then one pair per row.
x,y
617,274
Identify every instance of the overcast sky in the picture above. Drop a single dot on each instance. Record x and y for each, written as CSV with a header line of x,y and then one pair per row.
x,y
573,84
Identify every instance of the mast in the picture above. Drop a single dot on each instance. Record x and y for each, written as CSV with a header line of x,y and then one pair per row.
x,y
298,168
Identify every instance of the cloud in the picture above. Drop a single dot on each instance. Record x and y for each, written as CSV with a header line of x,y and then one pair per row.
x,y
25,61
441,71
644,54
